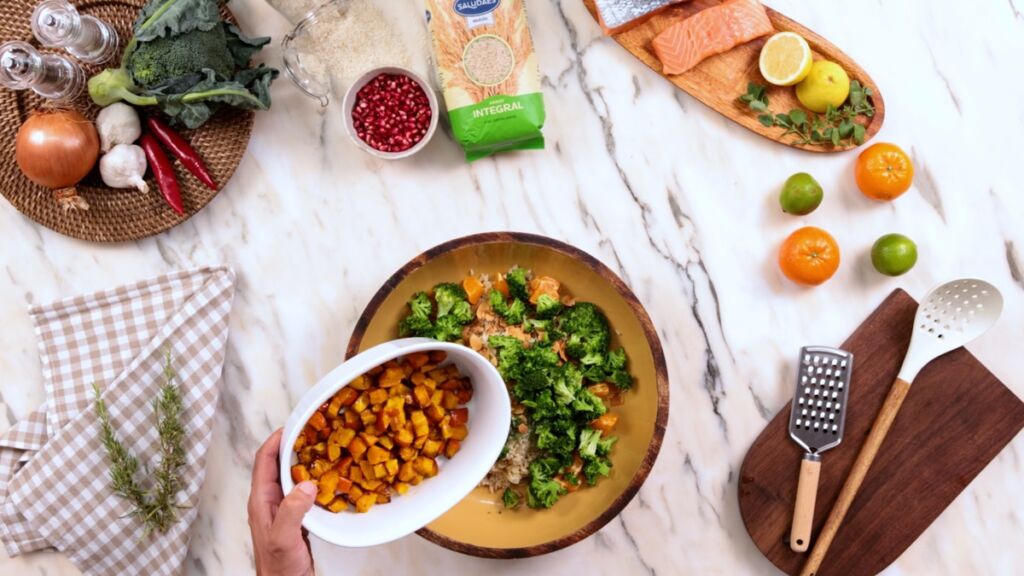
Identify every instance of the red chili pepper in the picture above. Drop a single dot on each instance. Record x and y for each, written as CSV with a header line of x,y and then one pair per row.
x,y
163,171
181,149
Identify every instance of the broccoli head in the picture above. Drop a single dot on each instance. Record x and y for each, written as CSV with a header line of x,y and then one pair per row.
x,y
517,279
586,330
447,296
543,491
514,313
594,469
548,306
167,59
447,329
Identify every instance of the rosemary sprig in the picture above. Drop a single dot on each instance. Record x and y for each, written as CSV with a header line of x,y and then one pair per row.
x,y
156,506
834,127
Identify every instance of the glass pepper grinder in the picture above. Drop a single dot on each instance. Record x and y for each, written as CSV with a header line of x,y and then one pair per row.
x,y
50,75
57,24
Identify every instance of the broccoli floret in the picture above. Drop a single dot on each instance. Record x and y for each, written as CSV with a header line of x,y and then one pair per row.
x,y
517,279
448,295
514,313
594,469
447,329
548,306
586,330
167,59
510,499
463,312
588,405
420,305
543,491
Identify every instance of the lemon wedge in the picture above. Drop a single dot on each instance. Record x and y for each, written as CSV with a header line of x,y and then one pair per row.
x,y
785,59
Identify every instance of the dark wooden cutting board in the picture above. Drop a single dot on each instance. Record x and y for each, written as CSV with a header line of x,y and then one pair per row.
x,y
955,420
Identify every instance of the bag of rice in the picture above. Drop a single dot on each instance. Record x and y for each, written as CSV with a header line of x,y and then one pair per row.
x,y
488,72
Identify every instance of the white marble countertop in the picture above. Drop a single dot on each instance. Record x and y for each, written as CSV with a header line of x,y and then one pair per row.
x,y
678,200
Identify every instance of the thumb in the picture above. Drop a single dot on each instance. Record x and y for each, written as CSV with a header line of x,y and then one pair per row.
x,y
294,507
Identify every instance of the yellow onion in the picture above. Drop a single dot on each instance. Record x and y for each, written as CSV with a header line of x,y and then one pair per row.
x,y
56,149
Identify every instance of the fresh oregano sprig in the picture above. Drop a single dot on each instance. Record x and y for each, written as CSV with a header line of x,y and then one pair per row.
x,y
156,506
834,127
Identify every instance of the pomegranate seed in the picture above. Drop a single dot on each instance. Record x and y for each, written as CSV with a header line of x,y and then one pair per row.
x,y
392,113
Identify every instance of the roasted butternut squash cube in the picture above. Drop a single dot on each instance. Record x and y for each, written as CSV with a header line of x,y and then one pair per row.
x,y
451,401
376,455
438,356
460,432
344,485
386,442
365,502
356,474
420,425
351,420
357,448
317,469
343,466
404,438
417,378
451,447
371,484
391,466
354,494
378,396
465,395
418,442
370,439
367,470
408,453
300,473
319,449
416,480
437,396
434,413
318,421
368,418
379,471
333,452
431,448
383,499
360,383
338,505
361,403
401,487
343,436
391,377
451,384
300,443
406,472
459,416
425,466
422,396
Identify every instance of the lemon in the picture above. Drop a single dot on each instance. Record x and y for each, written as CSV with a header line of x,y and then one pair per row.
x,y
826,85
785,59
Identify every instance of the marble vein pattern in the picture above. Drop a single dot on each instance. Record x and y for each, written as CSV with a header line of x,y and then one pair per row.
x,y
679,201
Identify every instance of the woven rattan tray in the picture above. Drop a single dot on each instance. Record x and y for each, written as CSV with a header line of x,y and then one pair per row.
x,y
115,215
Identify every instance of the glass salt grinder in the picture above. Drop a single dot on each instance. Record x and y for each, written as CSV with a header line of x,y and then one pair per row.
x,y
49,75
57,24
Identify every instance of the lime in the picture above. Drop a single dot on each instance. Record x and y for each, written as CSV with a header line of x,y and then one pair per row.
x,y
801,194
785,59
826,85
894,254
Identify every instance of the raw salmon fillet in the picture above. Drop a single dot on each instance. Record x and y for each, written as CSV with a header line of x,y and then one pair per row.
x,y
711,31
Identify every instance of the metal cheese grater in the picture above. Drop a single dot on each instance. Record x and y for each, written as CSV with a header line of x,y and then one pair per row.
x,y
816,424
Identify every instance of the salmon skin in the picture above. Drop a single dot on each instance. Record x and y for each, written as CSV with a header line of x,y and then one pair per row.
x,y
711,31
621,15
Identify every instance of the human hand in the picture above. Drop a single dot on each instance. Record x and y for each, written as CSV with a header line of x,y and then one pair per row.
x,y
275,521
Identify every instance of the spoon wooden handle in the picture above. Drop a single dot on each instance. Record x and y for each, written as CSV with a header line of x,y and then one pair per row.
x,y
860,469
803,511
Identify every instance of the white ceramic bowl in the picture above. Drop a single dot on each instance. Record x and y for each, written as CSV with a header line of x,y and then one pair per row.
x,y
350,102
490,415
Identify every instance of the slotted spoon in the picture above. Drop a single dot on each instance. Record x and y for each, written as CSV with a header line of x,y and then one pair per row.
x,y
950,316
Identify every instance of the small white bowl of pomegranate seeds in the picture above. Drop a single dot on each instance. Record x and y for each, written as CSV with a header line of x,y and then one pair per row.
x,y
391,112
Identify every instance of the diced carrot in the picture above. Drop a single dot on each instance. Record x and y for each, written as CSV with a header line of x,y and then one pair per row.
x,y
474,289
605,423
501,285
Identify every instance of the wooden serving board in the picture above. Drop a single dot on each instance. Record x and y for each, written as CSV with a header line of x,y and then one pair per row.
x,y
955,420
720,80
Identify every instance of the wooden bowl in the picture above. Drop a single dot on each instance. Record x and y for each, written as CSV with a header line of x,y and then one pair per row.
x,y
478,525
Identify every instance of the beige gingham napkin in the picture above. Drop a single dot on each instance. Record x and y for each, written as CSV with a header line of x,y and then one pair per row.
x,y
54,473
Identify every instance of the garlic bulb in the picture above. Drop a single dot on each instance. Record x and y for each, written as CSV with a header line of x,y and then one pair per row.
x,y
124,167
118,124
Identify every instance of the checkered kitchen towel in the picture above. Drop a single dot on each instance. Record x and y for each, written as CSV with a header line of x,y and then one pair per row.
x,y
54,473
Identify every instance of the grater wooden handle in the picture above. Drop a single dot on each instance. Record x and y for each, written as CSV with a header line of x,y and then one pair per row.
x,y
860,469
803,511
